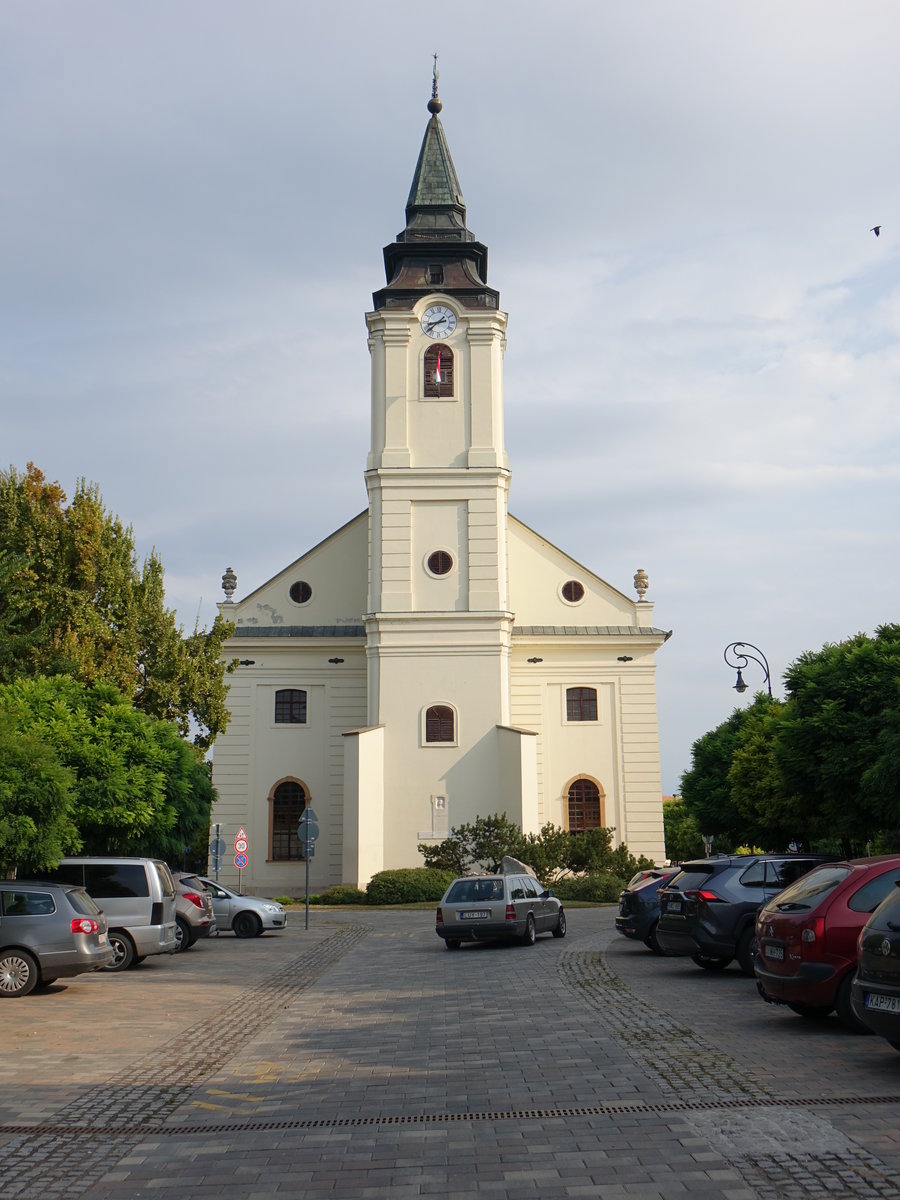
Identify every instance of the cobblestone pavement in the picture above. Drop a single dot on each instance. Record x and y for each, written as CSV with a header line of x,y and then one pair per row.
x,y
358,1059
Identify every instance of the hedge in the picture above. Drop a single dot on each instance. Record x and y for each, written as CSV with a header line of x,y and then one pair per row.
x,y
408,885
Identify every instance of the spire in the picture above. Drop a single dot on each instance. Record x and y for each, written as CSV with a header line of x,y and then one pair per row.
x,y
435,208
435,252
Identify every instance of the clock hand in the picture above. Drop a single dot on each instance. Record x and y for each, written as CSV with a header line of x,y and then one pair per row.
x,y
439,321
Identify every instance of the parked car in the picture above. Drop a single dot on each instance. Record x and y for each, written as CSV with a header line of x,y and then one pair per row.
x,y
708,910
137,896
194,916
481,907
639,905
48,931
875,991
807,935
248,916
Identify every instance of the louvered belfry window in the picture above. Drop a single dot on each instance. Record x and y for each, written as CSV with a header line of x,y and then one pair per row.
x,y
439,723
439,371
585,809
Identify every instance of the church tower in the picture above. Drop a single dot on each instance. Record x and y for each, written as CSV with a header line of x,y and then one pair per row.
x,y
438,621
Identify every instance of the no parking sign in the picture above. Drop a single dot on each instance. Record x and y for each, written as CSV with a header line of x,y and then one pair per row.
x,y
240,861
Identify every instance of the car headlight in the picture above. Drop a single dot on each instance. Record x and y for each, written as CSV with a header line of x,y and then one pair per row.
x,y
276,908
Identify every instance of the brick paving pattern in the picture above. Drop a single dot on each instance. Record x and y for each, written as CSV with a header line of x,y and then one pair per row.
x,y
364,1061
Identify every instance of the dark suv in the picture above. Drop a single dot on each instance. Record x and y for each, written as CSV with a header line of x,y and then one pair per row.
x,y
709,909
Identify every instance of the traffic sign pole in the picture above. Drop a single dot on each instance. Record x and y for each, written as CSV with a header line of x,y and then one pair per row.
x,y
307,832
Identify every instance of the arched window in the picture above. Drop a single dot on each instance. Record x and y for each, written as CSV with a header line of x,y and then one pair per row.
x,y
290,707
288,802
439,724
585,806
581,704
439,371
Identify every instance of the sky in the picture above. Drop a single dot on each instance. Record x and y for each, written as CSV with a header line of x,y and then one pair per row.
x,y
703,358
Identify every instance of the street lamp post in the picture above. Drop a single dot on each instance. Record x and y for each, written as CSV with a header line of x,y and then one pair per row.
x,y
741,657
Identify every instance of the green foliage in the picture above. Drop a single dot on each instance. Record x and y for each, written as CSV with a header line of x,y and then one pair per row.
x,y
36,800
408,885
705,787
341,894
286,900
553,851
131,784
683,839
599,887
74,602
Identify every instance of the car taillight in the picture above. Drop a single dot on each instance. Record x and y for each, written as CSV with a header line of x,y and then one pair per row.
x,y
194,898
703,894
510,912
439,917
814,931
84,925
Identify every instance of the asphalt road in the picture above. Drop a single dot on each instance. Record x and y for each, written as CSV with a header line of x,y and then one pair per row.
x,y
359,1059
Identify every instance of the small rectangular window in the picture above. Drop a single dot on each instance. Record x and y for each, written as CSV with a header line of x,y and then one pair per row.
x,y
290,707
581,704
435,273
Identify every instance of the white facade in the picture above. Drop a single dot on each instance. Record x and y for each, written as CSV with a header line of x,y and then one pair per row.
x,y
435,659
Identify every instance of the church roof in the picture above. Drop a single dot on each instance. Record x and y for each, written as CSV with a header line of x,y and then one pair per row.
x,y
435,207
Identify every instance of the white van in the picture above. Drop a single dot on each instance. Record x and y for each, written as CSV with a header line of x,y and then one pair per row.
x,y
137,896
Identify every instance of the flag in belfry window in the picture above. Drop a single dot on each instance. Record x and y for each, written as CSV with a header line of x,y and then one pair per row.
x,y
437,369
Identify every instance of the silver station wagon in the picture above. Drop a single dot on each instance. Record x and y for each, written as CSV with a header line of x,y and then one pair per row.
x,y
509,905
48,931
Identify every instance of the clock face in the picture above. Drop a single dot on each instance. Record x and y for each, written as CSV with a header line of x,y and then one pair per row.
x,y
438,321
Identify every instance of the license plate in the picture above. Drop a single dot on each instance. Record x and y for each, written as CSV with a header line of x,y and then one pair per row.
x,y
476,915
776,952
101,938
884,1003
673,906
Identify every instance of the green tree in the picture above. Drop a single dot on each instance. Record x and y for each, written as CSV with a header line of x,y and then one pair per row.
x,y
132,784
838,743
36,790
73,601
683,837
705,786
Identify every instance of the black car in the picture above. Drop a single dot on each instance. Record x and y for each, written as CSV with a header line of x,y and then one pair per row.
x,y
639,905
708,911
875,991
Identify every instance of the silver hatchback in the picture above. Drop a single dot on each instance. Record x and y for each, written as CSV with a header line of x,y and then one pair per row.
x,y
48,931
484,907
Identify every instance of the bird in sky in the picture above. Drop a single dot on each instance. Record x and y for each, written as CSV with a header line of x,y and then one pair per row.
x,y
876,229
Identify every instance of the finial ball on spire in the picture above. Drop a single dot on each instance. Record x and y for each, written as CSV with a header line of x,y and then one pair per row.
x,y
434,104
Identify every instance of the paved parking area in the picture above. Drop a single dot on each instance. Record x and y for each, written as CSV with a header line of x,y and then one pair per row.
x,y
359,1059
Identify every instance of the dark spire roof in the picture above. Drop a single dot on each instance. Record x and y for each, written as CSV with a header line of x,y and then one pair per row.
x,y
435,252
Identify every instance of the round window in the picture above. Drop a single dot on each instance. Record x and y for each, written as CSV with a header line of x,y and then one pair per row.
x,y
300,591
573,591
440,562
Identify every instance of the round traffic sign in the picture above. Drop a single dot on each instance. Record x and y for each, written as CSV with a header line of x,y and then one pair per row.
x,y
241,845
240,861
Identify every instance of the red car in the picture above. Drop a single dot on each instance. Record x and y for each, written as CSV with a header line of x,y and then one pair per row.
x,y
806,935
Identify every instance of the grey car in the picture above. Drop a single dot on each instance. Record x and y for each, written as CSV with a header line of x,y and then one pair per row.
x,y
483,907
48,931
248,916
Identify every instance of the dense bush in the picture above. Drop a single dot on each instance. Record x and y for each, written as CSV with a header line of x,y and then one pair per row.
x,y
601,887
408,885
341,894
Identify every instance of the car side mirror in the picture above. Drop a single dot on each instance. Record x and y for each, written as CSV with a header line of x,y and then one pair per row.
x,y
545,895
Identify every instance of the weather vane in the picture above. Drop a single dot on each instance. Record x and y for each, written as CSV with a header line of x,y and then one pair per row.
x,y
434,104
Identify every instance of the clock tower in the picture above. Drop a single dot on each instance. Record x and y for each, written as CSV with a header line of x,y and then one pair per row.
x,y
438,620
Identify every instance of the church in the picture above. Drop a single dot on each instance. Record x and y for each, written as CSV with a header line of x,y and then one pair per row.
x,y
435,659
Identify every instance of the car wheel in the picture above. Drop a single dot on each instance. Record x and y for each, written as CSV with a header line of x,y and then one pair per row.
x,y
709,963
138,959
183,940
19,973
746,950
530,935
559,929
812,1012
452,943
845,1013
651,941
123,951
246,925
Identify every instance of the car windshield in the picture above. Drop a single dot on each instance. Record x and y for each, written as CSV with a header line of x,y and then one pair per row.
x,y
468,891
811,889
